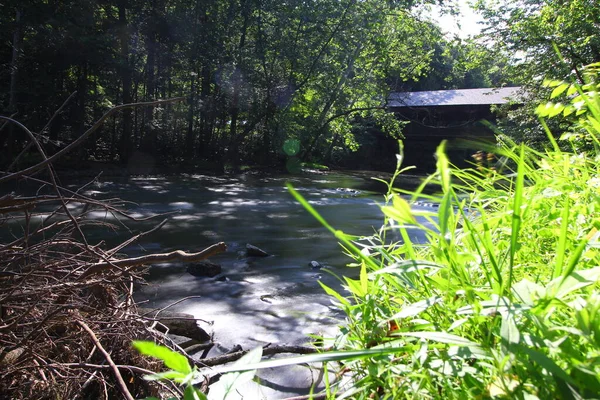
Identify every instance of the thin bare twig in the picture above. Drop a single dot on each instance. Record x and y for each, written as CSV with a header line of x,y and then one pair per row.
x,y
109,360
158,311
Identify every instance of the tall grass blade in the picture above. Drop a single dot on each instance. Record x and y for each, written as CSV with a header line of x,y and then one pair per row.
x,y
516,214
561,249
314,358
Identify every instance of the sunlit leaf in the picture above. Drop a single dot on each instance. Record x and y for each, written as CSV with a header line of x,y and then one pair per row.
x,y
441,337
315,358
191,393
508,330
173,375
555,110
172,360
416,308
333,293
559,90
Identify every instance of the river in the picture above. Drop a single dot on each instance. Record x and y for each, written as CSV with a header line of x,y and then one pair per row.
x,y
255,301
276,299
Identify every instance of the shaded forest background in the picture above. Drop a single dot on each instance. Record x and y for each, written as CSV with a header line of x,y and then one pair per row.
x,y
265,80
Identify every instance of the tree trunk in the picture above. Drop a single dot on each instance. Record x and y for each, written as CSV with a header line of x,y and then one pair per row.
x,y
234,108
14,63
189,140
126,131
150,134
7,140
79,117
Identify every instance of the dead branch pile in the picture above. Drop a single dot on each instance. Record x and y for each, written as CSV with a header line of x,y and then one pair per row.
x,y
67,317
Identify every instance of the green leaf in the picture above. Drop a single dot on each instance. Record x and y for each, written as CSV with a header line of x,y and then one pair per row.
x,y
545,362
569,109
170,375
542,110
416,308
555,110
527,292
574,281
316,358
335,294
171,359
516,213
559,90
508,330
364,279
403,209
441,337
561,248
572,90
191,393
227,384
443,166
552,82
355,287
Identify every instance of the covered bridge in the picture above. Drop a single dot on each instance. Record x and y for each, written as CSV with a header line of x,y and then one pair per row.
x,y
455,115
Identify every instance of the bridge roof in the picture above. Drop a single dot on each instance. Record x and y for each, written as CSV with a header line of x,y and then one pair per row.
x,y
458,97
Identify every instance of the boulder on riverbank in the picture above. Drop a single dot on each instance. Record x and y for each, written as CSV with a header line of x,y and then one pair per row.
x,y
204,268
253,251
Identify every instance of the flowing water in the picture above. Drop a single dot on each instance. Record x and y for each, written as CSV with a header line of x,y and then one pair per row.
x,y
276,299
255,301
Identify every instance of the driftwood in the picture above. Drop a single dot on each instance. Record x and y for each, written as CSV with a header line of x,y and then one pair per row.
x,y
175,323
176,255
267,351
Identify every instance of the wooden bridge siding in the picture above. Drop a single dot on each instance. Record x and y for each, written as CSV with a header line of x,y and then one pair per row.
x,y
459,125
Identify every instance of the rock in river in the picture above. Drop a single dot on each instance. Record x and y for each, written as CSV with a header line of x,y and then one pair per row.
x,y
254,251
315,265
204,268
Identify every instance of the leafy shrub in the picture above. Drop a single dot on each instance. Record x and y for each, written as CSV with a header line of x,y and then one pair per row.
x,y
502,299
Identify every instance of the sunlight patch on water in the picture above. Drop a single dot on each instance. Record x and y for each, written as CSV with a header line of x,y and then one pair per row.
x,y
275,216
155,188
106,215
148,178
184,205
209,233
90,193
188,217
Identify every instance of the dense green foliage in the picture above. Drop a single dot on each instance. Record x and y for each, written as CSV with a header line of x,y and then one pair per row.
x,y
503,299
256,74
547,39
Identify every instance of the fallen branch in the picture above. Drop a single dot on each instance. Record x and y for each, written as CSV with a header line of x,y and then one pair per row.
x,y
109,360
318,396
177,323
267,351
176,255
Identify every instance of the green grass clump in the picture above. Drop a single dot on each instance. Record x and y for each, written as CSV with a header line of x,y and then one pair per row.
x,y
502,299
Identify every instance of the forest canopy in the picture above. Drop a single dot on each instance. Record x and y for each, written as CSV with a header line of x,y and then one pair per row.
x,y
256,74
